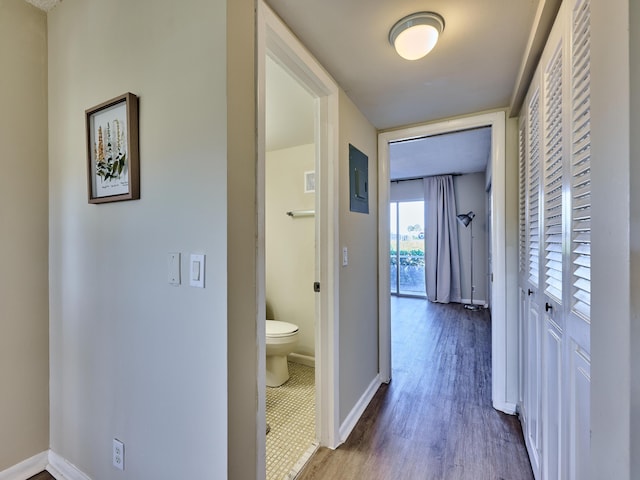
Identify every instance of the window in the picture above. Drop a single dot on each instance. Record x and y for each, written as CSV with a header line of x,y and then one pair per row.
x,y
407,248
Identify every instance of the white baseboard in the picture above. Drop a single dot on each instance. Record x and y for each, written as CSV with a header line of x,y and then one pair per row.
x,y
505,407
358,409
302,359
50,461
62,469
27,468
482,303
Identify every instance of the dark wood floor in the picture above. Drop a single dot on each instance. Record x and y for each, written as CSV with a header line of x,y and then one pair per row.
x,y
435,419
42,476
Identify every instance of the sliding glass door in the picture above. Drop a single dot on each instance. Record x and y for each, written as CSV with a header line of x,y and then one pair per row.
x,y
407,248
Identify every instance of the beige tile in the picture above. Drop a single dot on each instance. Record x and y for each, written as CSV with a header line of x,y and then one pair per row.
x,y
291,416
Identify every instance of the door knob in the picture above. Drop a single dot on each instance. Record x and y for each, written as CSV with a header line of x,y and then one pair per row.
x,y
547,307
529,292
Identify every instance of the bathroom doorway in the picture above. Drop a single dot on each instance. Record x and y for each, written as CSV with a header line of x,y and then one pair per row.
x,y
279,51
290,270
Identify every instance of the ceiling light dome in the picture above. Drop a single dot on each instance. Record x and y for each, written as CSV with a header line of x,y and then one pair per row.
x,y
415,35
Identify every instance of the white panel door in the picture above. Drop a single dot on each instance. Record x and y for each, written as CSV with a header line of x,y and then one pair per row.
x,y
529,245
533,397
578,330
554,140
552,401
579,436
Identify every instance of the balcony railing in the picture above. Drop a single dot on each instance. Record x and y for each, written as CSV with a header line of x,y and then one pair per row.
x,y
411,270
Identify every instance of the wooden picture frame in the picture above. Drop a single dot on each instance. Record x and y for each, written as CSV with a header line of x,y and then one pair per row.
x,y
113,160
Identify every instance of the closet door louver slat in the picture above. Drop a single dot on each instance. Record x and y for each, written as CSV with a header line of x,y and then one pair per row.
x,y
581,164
533,188
553,208
522,199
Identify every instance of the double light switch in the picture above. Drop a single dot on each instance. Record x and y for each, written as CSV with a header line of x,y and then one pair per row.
x,y
196,269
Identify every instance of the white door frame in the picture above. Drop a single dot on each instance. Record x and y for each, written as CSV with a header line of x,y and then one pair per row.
x,y
279,43
500,332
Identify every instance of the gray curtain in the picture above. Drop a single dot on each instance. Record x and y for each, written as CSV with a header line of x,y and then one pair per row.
x,y
442,259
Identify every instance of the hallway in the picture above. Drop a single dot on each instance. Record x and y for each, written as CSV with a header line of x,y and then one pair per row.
x,y
435,419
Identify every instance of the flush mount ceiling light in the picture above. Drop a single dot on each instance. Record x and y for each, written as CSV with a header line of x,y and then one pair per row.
x,y
415,35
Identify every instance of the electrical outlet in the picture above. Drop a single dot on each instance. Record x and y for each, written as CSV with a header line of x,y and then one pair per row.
x,y
118,454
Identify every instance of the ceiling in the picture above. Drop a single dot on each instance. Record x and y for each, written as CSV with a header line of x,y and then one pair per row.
x,y
459,152
474,66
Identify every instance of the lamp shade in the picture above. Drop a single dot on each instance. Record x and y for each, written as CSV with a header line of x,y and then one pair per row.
x,y
415,35
466,218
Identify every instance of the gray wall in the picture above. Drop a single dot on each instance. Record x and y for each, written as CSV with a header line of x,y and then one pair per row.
x,y
245,454
634,187
24,327
358,349
471,195
131,356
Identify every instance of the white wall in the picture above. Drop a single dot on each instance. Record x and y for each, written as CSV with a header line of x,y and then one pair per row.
x,y
471,196
131,356
290,242
24,351
615,337
358,349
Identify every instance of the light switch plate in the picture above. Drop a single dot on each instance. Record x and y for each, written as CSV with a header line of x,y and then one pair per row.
x,y
173,269
196,270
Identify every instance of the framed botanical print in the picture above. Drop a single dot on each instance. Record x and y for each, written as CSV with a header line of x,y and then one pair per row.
x,y
113,163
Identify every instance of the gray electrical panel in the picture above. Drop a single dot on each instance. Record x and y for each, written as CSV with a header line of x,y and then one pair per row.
x,y
358,181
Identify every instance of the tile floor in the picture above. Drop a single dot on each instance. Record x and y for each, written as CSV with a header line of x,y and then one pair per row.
x,y
291,416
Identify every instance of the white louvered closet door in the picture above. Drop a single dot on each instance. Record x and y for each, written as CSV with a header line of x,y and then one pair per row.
x,y
530,200
555,251
553,187
579,297
553,141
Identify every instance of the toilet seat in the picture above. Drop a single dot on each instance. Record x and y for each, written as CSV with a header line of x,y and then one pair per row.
x,y
278,329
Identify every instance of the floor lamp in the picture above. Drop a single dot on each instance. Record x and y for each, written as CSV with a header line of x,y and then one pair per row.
x,y
466,219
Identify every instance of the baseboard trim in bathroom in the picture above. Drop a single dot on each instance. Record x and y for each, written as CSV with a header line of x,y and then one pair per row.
x,y
291,415
307,360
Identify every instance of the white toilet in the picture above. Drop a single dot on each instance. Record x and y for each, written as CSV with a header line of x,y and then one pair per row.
x,y
282,337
